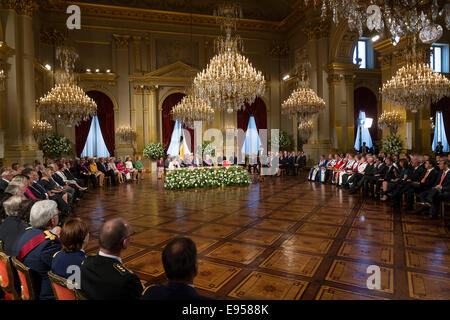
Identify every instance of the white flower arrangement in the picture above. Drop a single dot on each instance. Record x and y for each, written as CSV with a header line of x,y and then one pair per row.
x,y
206,178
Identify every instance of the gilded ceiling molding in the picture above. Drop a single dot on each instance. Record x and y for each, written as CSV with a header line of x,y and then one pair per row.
x,y
316,30
160,17
122,41
22,7
110,78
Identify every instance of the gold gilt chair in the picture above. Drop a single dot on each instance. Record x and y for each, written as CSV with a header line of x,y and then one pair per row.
x,y
59,287
28,291
7,276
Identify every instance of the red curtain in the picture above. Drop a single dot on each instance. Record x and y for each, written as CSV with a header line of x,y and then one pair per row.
x,y
258,110
168,124
81,135
444,106
105,114
365,100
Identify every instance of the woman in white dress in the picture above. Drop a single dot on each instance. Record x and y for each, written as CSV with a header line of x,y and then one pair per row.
x,y
129,167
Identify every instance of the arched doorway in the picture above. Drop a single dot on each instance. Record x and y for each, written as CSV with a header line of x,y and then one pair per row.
x,y
365,100
258,110
168,124
105,114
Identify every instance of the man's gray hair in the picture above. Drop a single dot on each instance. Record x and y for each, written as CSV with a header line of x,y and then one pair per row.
x,y
12,206
42,212
15,188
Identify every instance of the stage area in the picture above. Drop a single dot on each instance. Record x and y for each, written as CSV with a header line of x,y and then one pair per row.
x,y
281,239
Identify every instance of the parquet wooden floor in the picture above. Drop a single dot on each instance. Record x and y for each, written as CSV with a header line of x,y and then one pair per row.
x,y
284,238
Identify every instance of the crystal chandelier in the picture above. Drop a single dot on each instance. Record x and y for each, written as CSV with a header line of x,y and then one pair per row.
x,y
305,129
303,103
41,129
397,17
390,120
191,109
126,133
66,102
415,85
229,81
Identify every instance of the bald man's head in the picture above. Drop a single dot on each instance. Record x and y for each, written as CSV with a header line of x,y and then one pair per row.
x,y
112,235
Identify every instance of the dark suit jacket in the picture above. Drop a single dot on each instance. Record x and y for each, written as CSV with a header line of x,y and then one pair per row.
x,y
173,291
104,278
369,170
38,191
445,183
68,174
101,167
11,230
390,174
416,174
430,181
3,185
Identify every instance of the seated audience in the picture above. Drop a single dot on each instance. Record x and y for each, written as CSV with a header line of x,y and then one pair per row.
x,y
129,166
85,174
180,265
103,276
39,243
318,172
93,169
17,220
74,239
104,168
13,189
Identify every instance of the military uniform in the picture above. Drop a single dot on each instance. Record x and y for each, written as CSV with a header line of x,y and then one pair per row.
x,y
105,278
62,260
36,249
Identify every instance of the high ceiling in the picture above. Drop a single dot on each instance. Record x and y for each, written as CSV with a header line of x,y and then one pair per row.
x,y
269,10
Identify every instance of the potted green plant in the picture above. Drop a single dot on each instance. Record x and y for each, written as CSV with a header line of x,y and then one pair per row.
x,y
55,146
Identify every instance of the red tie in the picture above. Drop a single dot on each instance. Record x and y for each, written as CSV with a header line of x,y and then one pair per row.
x,y
442,179
426,175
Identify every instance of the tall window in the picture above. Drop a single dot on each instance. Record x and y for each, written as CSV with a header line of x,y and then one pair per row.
x,y
95,145
439,57
364,54
439,133
360,53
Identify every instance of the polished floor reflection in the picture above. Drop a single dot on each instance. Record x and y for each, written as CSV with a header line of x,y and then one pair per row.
x,y
284,238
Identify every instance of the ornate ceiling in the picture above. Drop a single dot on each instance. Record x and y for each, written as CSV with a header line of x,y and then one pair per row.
x,y
268,10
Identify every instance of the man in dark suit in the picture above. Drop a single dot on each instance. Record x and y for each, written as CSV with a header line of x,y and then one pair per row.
x,y
180,264
39,243
440,191
85,174
6,177
13,227
371,179
415,174
101,165
103,276
358,177
425,184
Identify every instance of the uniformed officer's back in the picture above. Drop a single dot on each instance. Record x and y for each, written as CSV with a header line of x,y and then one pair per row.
x,y
103,277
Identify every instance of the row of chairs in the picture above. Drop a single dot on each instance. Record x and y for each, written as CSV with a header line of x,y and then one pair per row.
x,y
12,270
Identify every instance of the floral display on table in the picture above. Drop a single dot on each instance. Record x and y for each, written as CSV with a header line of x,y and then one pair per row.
x,y
55,146
206,178
154,151
41,129
126,133
392,144
390,120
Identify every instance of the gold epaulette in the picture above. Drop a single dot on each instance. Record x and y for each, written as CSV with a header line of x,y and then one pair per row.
x,y
28,228
56,254
49,235
122,270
